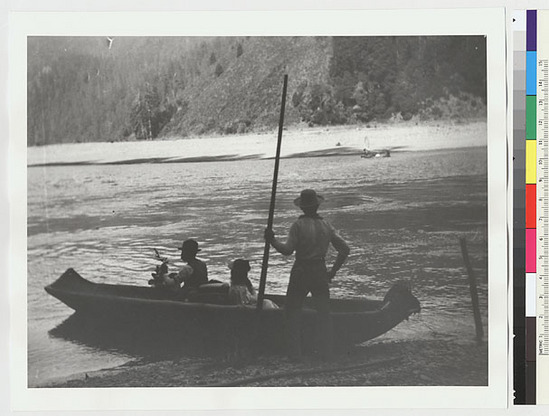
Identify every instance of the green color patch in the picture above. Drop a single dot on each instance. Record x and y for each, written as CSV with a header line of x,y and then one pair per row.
x,y
531,117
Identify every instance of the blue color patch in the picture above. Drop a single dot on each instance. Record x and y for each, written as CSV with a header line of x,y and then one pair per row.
x,y
531,69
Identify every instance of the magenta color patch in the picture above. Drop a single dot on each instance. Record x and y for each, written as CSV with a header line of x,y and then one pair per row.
x,y
531,251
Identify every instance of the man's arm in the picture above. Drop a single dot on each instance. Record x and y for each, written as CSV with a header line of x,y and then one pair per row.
x,y
342,253
283,248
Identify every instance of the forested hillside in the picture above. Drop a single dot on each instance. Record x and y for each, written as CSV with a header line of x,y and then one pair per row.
x,y
139,88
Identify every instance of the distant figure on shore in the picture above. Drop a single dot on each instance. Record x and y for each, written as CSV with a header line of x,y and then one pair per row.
x,y
241,291
383,153
310,237
367,154
199,274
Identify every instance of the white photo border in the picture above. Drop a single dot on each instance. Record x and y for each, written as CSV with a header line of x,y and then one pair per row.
x,y
488,22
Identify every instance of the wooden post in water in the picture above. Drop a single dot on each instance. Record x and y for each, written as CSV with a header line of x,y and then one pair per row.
x,y
472,289
265,265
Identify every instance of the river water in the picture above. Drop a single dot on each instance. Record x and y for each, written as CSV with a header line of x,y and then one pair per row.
x,y
402,217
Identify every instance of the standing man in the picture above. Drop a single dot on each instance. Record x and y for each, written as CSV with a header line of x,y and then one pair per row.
x,y
310,237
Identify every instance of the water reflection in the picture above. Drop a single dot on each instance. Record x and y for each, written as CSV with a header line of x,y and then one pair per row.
x,y
136,341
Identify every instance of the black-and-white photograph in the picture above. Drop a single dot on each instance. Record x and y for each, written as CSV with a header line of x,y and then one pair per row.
x,y
257,211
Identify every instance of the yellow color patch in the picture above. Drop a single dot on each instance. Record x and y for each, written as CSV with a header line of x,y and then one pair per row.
x,y
531,162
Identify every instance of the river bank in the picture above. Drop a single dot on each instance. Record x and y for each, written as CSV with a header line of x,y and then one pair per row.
x,y
414,363
297,142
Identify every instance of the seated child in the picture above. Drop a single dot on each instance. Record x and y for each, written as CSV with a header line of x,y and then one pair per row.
x,y
164,280
242,291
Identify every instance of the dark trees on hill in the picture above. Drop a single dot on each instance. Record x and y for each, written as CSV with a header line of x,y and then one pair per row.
x,y
149,114
382,76
78,90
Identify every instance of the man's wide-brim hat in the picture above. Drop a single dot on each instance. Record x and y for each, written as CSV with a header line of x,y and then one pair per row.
x,y
190,246
308,198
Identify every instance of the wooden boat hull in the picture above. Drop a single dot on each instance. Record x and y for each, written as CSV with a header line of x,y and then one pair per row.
x,y
135,308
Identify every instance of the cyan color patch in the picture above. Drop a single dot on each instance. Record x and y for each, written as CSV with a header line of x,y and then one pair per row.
x,y
531,68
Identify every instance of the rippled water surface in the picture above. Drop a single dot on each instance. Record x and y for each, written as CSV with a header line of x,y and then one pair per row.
x,y
402,217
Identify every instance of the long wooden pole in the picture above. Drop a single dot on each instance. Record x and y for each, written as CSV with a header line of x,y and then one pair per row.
x,y
265,265
472,289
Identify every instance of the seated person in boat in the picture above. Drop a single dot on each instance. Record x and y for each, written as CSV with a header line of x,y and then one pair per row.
x,y
162,279
242,291
199,274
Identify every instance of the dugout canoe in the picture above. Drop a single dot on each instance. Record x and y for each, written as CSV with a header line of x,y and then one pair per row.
x,y
140,308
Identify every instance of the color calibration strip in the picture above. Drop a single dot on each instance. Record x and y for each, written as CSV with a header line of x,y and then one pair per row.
x,y
540,126
531,206
519,210
531,192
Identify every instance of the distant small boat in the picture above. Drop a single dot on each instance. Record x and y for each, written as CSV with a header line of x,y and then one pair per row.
x,y
354,320
368,154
